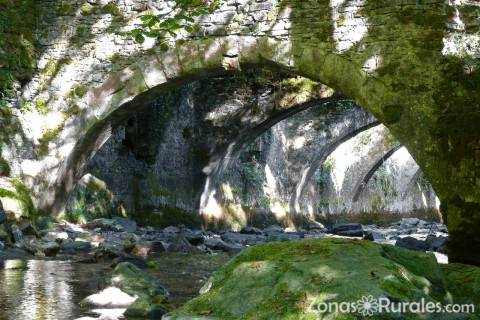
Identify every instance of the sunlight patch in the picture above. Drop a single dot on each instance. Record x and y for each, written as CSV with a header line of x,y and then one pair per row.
x,y
349,26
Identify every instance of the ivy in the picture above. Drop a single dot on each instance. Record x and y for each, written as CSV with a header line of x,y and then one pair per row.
x,y
17,43
180,17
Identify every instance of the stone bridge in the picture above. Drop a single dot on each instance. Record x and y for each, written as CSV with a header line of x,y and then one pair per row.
x,y
413,64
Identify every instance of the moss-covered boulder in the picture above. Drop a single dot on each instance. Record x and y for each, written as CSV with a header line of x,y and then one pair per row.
x,y
291,280
151,302
463,282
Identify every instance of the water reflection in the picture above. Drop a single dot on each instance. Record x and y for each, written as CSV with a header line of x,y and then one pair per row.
x,y
44,290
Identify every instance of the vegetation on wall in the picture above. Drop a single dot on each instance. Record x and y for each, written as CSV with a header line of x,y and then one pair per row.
x,y
181,17
91,201
17,43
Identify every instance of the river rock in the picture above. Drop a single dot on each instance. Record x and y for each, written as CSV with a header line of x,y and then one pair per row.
x,y
194,237
347,229
16,234
438,244
274,228
373,236
28,229
70,246
105,225
171,230
152,301
137,261
409,222
133,280
251,230
39,247
57,236
268,281
181,244
142,250
219,244
412,243
128,224
110,297
243,239
315,225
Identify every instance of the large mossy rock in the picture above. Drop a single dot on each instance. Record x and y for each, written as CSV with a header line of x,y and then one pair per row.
x,y
289,281
151,302
463,282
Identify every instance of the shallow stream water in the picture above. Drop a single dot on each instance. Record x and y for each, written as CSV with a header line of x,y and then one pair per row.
x,y
52,289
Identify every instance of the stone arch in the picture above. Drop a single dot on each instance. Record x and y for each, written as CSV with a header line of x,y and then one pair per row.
x,y
362,183
312,39
137,86
322,155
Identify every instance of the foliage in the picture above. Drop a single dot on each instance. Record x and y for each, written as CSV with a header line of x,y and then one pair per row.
x,y
91,201
384,181
4,168
180,17
17,43
21,193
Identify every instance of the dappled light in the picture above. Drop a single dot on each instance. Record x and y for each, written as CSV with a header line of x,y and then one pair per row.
x,y
212,159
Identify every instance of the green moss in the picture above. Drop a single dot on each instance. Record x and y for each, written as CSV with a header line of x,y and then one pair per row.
x,y
17,44
48,136
151,296
87,9
22,194
111,8
79,91
470,16
51,134
50,71
5,193
65,10
91,201
116,57
4,168
72,111
287,280
463,282
41,104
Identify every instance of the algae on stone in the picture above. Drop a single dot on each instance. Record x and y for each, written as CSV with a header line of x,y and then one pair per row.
x,y
289,281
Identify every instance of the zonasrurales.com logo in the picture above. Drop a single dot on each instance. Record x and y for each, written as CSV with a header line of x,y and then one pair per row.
x,y
367,306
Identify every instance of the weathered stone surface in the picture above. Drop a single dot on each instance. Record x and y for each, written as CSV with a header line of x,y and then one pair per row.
x,y
17,234
75,246
412,244
151,299
408,63
181,244
219,244
283,280
463,282
42,248
347,229
128,224
251,230
3,215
